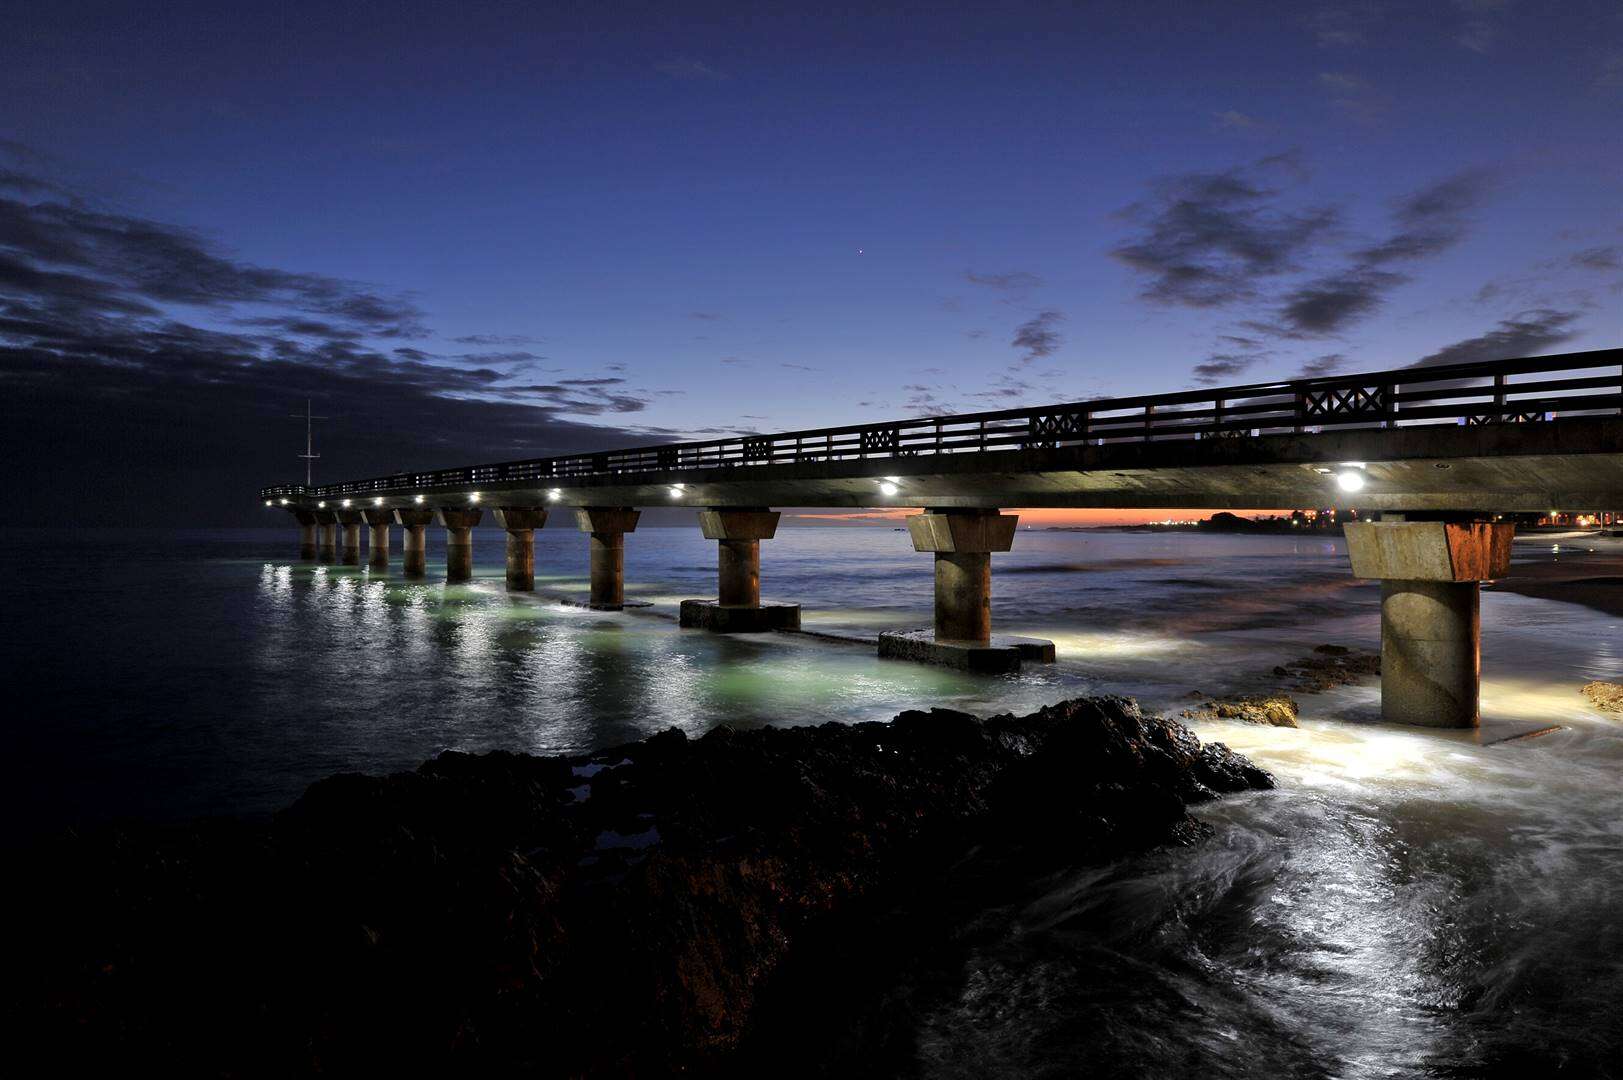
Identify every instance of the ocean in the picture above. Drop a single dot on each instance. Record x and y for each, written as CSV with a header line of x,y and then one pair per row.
x,y
1407,903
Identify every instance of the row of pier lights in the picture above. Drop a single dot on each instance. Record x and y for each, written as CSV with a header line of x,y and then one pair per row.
x,y
1431,573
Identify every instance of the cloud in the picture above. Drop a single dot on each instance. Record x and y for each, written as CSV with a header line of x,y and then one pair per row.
x,y
132,408
1426,223
1234,120
1598,258
1208,238
1220,367
688,69
495,339
1016,281
704,316
1343,25
1353,96
1526,334
1037,336
1481,30
1319,366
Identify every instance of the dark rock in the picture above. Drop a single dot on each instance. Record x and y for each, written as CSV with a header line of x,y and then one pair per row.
x,y
485,914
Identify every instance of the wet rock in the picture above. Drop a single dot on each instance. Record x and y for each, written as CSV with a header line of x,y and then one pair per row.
x,y
1605,696
485,914
1275,710
1330,666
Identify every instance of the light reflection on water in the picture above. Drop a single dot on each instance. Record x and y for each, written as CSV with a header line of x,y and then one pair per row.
x,y
1405,900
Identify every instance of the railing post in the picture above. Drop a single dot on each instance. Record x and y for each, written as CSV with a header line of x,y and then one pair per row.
x,y
1301,409
1389,405
1217,417
1149,420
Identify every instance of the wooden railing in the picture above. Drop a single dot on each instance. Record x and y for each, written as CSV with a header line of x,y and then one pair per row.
x,y
1526,390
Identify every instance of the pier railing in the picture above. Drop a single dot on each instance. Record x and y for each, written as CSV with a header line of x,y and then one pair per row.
x,y
1530,390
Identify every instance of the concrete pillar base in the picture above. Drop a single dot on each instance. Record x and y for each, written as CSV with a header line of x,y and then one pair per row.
x,y
307,535
414,540
459,525
963,542
722,618
327,547
608,526
999,654
1431,667
1431,622
377,542
349,553
520,523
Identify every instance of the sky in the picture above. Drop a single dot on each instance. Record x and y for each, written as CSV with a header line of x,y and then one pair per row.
x,y
484,232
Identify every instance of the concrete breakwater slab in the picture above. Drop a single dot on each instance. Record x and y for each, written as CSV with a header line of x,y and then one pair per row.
x,y
1003,653
722,618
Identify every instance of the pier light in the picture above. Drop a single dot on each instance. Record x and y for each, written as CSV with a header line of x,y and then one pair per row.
x,y
284,502
378,501
554,495
1350,480
677,490
474,497
888,488
267,502
322,504
416,498
345,504
893,479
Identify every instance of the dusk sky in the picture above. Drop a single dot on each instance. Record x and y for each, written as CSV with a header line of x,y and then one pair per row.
x,y
508,230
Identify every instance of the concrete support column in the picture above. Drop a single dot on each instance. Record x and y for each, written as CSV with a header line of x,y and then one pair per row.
x,y
737,608
414,540
377,549
1431,624
327,549
459,524
608,526
963,596
738,572
521,523
963,542
349,552
307,534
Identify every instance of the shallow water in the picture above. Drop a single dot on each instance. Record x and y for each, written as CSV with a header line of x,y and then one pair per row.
x,y
1408,903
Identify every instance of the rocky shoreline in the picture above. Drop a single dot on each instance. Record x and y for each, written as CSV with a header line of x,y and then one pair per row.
x,y
637,911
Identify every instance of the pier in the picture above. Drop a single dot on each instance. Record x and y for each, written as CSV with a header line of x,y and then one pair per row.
x,y
1433,457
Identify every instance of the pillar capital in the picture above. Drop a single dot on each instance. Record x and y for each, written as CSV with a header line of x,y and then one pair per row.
x,y
607,519
738,524
414,518
1430,550
378,516
519,518
350,517
325,517
962,531
305,517
457,517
